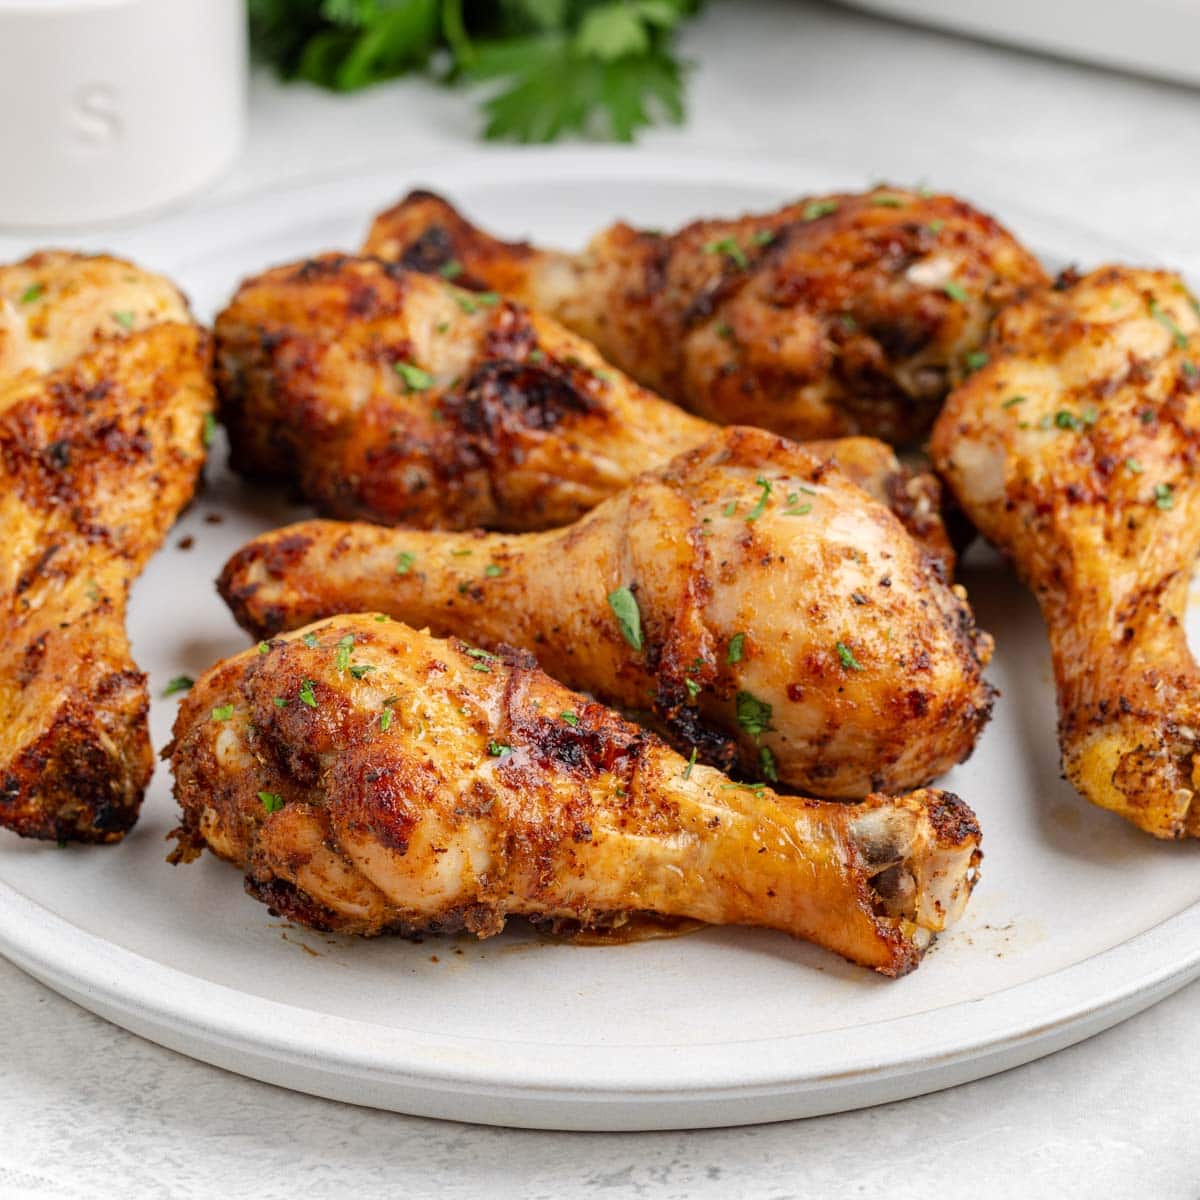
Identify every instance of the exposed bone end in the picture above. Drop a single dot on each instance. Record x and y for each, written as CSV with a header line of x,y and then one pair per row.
x,y
922,856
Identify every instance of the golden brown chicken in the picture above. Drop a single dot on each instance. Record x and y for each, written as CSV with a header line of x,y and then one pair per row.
x,y
393,397
369,778
847,313
104,392
767,610
1076,451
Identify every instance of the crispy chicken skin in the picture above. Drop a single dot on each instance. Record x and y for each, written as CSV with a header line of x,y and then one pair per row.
x,y
509,421
776,617
1076,452
847,313
370,778
104,387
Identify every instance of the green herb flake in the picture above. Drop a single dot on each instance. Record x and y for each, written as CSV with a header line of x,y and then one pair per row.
x,y
208,430
124,319
279,701
181,683
307,695
976,360
487,299
415,379
815,209
763,237
936,226
385,720
798,510
404,562
766,764
310,640
733,652
570,718
693,687
1188,368
271,801
1013,401
887,201
1164,318
451,269
1133,466
467,304
222,712
624,606
1146,416
264,647
729,509
499,749
955,291
760,505
359,670
847,657
442,326
35,291
725,330
1067,420
461,553
753,714
687,771
492,570
1164,496
344,646
729,247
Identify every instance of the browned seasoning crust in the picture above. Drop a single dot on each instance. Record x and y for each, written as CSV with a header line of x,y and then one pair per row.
x,y
104,389
787,624
1076,452
369,778
390,396
837,314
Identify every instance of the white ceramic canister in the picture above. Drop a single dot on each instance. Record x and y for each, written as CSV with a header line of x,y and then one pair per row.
x,y
112,108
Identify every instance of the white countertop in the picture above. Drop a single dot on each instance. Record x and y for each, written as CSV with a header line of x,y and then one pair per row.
x,y
91,1110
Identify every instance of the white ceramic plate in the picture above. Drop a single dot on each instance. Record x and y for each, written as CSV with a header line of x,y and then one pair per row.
x,y
1079,921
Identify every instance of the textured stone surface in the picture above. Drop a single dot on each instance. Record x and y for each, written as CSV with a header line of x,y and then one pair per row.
x,y
91,1110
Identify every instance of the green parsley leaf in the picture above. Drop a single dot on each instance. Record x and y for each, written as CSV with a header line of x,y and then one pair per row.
x,y
729,509
955,291
763,237
1013,401
729,247
33,292
385,720
798,510
1168,322
693,687
570,718
753,714
359,670
624,606
687,771
415,379
936,226
222,712
310,640
404,562
451,269
499,749
733,653
279,701
124,319
264,647
976,360
1164,496
344,646
1067,420
766,764
847,656
886,201
271,801
815,209
492,570
209,430
307,695
1133,466
761,504
181,683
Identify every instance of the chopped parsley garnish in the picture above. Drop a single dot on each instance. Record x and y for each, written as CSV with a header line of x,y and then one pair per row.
x,y
451,269
1168,322
1188,368
415,379
753,714
624,606
271,801
976,360
1164,495
499,749
733,653
481,666
310,640
1146,416
181,683
847,656
1067,420
492,570
570,718
798,510
687,771
694,688
1013,401
756,788
124,319
819,208
381,617
307,696
264,647
729,509
33,292
761,504
209,430
475,652
729,247
936,226
442,326
279,701
888,201
461,553
404,562
361,669
222,712
766,763
473,303
955,291
724,330
385,720
344,646
1133,466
